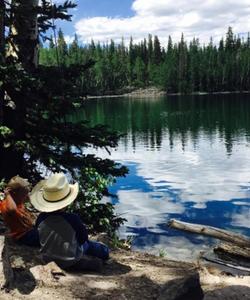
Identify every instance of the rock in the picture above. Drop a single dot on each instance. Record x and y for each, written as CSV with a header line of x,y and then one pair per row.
x,y
47,275
182,289
17,262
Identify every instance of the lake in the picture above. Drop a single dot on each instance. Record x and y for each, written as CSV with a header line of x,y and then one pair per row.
x,y
189,159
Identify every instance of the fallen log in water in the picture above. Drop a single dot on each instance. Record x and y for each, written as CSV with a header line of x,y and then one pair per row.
x,y
232,252
214,232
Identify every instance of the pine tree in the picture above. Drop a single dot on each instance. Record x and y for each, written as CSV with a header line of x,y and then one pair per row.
x,y
229,45
169,68
182,72
62,48
74,52
132,58
140,72
178,68
150,48
157,53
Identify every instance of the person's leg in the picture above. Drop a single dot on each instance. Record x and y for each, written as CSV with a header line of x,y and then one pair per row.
x,y
96,249
30,238
87,263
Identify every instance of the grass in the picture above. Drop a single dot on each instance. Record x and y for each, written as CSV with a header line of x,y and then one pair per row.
x,y
162,253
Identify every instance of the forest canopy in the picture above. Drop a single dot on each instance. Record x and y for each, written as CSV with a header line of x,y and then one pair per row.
x,y
181,67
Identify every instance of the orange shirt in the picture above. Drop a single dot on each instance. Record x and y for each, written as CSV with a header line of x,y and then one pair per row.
x,y
19,221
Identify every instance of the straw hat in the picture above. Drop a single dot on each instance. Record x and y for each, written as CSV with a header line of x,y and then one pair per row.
x,y
53,193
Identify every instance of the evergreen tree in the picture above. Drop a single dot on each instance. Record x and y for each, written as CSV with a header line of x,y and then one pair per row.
x,y
132,58
74,52
36,133
140,72
157,54
177,68
150,48
182,70
62,48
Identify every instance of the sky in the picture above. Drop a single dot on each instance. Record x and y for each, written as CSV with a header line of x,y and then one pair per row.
x,y
102,20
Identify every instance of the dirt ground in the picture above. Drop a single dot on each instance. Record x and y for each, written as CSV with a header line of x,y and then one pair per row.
x,y
127,275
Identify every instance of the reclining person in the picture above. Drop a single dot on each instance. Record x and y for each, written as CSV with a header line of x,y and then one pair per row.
x,y
63,236
16,217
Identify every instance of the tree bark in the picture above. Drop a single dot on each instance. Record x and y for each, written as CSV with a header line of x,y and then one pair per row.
x,y
2,56
2,53
214,232
23,47
2,39
230,250
23,43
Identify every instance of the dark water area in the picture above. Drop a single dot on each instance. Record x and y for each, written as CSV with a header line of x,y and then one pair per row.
x,y
189,159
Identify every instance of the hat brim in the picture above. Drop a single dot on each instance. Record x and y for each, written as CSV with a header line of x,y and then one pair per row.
x,y
38,201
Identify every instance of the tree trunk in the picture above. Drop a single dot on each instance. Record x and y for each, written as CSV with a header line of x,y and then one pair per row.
x,y
229,250
23,42
214,232
22,46
2,39
2,53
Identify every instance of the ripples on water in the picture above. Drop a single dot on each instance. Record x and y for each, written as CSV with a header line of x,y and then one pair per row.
x,y
189,158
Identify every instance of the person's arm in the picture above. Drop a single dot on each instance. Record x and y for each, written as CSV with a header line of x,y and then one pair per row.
x,y
41,217
10,203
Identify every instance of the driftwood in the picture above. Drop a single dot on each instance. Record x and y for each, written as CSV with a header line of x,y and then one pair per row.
x,y
231,237
232,252
241,265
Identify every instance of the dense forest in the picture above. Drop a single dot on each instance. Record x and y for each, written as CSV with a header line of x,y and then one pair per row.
x,y
179,68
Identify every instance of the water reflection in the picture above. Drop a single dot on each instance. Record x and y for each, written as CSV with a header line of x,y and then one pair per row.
x,y
189,158
148,120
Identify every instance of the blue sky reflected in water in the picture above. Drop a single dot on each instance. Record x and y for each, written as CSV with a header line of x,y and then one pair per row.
x,y
197,173
148,208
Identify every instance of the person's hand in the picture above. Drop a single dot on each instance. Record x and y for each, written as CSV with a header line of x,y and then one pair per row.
x,y
7,191
2,196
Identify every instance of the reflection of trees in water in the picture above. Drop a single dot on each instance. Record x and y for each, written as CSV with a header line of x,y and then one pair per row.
x,y
179,117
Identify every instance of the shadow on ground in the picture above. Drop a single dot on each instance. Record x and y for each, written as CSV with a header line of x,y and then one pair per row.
x,y
233,292
19,263
137,288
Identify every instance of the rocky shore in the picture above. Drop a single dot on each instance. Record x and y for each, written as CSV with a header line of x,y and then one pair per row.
x,y
133,93
127,275
146,92
152,92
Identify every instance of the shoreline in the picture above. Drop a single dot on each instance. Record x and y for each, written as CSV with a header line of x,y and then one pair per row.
x,y
154,92
128,275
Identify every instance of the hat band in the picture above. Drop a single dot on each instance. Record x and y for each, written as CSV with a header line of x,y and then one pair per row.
x,y
61,199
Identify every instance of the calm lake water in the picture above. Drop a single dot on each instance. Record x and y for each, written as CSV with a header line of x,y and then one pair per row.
x,y
189,159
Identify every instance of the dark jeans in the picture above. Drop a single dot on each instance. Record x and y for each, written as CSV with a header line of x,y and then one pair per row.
x,y
92,260
96,249
30,238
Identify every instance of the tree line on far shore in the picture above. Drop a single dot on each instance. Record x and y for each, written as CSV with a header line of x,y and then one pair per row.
x,y
178,68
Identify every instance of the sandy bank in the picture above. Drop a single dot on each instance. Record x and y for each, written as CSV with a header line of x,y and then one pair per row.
x,y
128,275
